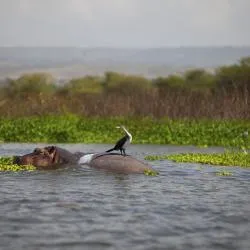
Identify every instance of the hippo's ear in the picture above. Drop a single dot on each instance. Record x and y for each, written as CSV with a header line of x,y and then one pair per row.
x,y
51,149
53,152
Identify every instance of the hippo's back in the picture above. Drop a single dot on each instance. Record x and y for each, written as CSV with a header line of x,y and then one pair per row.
x,y
119,163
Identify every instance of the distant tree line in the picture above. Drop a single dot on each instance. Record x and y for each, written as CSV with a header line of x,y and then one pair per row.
x,y
197,93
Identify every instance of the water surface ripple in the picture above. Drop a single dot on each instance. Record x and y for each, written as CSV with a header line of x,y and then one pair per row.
x,y
186,207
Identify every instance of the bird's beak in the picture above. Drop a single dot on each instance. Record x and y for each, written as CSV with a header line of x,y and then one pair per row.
x,y
118,127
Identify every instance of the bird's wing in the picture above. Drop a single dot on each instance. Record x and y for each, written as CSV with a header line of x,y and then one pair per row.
x,y
120,143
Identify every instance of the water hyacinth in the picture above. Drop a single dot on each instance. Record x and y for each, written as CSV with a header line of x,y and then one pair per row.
x,y
150,172
245,134
239,159
245,147
6,164
76,129
224,173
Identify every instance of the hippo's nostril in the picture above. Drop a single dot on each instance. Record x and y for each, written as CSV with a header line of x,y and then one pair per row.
x,y
16,160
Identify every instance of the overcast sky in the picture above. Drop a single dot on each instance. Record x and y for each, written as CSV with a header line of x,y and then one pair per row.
x,y
124,23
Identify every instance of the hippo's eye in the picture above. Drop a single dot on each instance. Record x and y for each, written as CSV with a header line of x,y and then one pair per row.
x,y
42,152
37,150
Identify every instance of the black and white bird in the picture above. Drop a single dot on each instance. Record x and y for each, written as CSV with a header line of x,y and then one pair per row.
x,y
123,142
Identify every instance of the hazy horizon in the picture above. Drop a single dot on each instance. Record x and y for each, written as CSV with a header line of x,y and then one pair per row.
x,y
69,62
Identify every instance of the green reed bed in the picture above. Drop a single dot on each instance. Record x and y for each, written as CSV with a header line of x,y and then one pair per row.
x,y
239,159
76,129
6,164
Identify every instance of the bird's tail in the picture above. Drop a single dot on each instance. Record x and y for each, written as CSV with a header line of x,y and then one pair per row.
x,y
110,150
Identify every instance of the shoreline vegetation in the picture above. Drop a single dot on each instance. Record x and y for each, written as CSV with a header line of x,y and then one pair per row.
x,y
197,94
76,129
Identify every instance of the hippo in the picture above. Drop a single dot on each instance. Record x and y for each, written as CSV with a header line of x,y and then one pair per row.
x,y
53,157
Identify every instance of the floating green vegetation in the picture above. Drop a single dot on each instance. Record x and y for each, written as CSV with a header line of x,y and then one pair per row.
x,y
156,157
151,172
6,160
224,173
76,129
6,164
240,159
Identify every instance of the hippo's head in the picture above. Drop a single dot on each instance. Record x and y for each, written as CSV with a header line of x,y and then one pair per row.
x,y
40,157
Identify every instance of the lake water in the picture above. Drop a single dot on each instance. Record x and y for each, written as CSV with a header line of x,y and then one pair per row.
x,y
186,207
